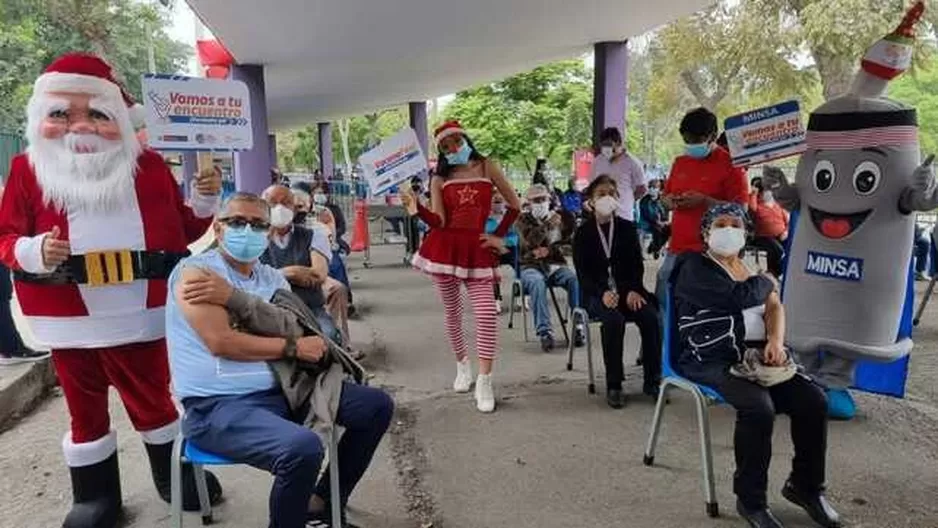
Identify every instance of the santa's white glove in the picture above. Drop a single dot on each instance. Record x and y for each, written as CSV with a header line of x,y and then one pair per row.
x,y
773,179
921,195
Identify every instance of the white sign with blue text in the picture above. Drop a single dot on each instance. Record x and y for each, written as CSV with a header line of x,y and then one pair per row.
x,y
395,160
765,134
190,113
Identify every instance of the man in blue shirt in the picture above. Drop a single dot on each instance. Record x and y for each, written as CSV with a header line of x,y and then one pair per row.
x,y
234,407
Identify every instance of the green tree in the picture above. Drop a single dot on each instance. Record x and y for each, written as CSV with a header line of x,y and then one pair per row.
x,y
33,33
920,90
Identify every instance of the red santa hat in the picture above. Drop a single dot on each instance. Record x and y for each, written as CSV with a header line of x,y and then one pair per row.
x,y
889,57
88,74
447,129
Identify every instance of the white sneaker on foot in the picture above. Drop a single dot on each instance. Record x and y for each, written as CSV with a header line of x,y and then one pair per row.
x,y
463,381
498,307
485,395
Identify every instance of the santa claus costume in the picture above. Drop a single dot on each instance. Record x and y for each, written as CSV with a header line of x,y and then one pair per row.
x,y
86,184
454,253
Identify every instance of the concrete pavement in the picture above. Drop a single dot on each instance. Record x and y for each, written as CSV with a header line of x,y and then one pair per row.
x,y
551,456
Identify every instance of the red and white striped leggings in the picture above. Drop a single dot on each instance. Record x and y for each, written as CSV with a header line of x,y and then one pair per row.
x,y
482,301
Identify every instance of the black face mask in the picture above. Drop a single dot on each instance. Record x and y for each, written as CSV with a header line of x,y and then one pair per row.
x,y
300,217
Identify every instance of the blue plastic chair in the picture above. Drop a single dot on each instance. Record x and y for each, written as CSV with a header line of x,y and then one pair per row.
x,y
185,451
703,397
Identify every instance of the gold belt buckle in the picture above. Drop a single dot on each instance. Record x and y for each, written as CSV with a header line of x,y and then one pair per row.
x,y
106,268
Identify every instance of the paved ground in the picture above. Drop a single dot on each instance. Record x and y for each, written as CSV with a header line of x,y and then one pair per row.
x,y
552,456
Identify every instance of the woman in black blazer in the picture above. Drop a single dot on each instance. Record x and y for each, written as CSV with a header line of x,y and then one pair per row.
x,y
610,269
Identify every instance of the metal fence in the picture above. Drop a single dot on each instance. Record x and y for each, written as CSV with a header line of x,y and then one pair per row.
x,y
10,145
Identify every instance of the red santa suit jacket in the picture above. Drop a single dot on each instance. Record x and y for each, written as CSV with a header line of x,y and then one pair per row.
x,y
83,316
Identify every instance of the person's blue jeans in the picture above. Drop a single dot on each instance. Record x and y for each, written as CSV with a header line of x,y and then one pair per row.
x,y
535,284
921,250
257,429
10,340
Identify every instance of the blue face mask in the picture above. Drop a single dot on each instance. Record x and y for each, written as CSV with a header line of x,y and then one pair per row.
x,y
244,244
461,156
698,150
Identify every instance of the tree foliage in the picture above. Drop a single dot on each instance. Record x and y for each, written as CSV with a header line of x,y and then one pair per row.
x,y
34,32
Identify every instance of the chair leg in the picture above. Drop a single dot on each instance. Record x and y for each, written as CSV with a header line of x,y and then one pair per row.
x,y
202,488
589,357
335,492
511,306
706,453
524,313
924,303
175,505
649,458
563,321
574,316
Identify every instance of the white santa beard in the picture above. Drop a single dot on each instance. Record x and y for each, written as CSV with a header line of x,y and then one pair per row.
x,y
99,181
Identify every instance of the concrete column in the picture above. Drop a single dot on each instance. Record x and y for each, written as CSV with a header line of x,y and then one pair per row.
x,y
610,87
326,165
418,121
190,166
272,148
252,167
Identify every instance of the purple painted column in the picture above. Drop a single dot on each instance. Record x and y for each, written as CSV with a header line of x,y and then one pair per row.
x,y
326,165
190,166
272,149
418,121
252,167
610,87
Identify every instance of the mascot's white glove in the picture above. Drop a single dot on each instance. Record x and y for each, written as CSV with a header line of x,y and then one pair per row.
x,y
921,195
773,179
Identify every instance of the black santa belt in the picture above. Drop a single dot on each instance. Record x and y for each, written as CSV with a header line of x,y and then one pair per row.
x,y
105,268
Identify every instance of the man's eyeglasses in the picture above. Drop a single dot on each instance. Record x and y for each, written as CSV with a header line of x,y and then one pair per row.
x,y
239,222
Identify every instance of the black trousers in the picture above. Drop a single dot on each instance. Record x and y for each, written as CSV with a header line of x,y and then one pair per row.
x,y
659,237
613,338
756,406
774,250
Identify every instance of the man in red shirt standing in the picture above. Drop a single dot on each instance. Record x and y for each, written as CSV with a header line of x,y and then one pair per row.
x,y
771,224
703,176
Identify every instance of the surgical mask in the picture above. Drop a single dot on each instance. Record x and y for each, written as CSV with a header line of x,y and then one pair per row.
x,y
281,216
540,210
698,150
768,197
244,244
654,193
606,205
607,151
320,198
461,156
726,241
498,209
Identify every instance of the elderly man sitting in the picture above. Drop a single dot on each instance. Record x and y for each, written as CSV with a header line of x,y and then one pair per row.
x,y
303,255
234,406
543,263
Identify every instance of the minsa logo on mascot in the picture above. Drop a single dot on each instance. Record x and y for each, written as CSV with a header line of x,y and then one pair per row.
x,y
856,189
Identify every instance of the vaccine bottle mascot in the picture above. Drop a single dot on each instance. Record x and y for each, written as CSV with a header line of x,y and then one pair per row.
x,y
92,224
857,187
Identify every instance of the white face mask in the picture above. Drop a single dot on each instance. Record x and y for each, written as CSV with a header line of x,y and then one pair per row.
x,y
768,197
320,199
540,210
607,152
281,216
726,241
606,205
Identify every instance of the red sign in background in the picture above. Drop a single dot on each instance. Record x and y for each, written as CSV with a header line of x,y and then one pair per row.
x,y
582,167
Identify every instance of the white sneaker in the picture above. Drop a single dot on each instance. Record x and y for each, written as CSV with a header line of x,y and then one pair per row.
x,y
485,395
498,307
463,381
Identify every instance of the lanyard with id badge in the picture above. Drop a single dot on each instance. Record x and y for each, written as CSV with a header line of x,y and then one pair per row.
x,y
607,249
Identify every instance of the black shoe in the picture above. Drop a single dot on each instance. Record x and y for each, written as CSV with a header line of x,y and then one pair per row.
x,y
579,336
96,493
758,518
815,504
161,469
547,342
615,398
652,390
323,519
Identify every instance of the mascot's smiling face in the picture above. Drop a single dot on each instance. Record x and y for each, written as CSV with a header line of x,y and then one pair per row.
x,y
850,175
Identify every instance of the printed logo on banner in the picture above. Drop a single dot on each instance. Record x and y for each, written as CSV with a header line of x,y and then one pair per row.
x,y
765,134
834,266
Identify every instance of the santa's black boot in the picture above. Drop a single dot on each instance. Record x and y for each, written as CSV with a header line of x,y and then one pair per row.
x,y
96,492
161,467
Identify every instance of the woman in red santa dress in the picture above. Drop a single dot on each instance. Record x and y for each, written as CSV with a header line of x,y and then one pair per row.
x,y
92,224
457,252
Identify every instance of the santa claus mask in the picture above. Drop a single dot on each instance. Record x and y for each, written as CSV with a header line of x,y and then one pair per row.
x,y
83,149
